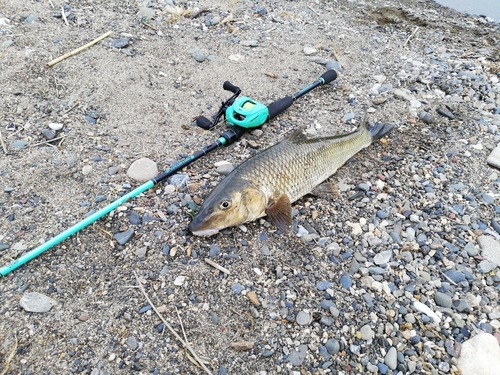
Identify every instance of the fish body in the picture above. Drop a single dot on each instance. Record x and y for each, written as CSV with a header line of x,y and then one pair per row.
x,y
267,183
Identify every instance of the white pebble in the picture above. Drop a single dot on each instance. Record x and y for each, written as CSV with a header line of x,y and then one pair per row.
x,y
179,280
427,311
55,126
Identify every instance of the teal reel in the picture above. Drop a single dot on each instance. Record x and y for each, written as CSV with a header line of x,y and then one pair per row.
x,y
247,113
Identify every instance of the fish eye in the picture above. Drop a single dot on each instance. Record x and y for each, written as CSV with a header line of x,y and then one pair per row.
x,y
225,204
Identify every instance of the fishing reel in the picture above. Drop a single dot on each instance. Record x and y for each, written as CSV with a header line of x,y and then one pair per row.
x,y
241,112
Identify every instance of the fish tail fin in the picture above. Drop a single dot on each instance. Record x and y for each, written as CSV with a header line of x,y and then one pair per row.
x,y
376,131
379,130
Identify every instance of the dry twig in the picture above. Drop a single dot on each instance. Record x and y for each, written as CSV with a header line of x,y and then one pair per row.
x,y
47,141
411,36
197,13
10,356
78,50
64,16
176,335
3,144
215,265
313,10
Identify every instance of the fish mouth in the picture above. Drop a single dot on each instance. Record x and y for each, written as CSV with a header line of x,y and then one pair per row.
x,y
205,232
196,227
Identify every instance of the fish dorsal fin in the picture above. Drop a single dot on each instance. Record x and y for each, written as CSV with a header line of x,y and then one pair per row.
x,y
280,213
297,135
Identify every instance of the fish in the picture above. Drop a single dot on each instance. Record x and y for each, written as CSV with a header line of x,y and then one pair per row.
x,y
270,181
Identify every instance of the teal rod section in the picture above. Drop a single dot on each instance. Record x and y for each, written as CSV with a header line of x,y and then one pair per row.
x,y
75,228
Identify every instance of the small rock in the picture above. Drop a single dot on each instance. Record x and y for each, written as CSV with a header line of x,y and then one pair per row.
x,y
252,296
242,345
146,12
297,357
56,126
443,300
303,318
36,302
30,19
179,280
121,43
490,249
141,252
123,237
383,257
494,158
309,51
19,144
199,56
367,332
425,117
461,305
86,170
143,170
132,343
249,43
332,346
391,359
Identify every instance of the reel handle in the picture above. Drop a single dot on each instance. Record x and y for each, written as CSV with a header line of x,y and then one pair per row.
x,y
228,86
204,123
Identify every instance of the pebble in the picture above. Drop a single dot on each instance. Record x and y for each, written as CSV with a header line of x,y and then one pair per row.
x,y
297,357
199,56
147,13
309,51
19,144
141,252
132,343
56,126
494,158
323,285
303,318
346,281
123,237
391,359
383,257
461,305
443,300
37,302
367,332
490,249
142,170
479,355
121,43
427,311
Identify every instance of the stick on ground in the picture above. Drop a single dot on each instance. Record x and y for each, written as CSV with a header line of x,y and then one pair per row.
x,y
176,335
78,50
10,356
3,144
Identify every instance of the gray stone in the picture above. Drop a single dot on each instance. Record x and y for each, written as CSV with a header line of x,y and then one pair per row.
x,y
19,144
121,43
391,358
486,266
303,318
141,252
132,343
383,257
494,158
297,357
332,346
443,300
367,332
36,302
146,12
490,249
471,250
142,170
199,56
461,305
479,355
123,237
249,43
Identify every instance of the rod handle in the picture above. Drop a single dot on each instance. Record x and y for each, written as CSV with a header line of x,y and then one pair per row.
x,y
279,106
329,76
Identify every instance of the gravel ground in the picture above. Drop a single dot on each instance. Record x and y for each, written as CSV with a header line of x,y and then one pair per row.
x,y
393,275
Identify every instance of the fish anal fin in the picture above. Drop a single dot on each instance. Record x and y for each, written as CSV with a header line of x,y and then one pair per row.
x,y
280,213
326,190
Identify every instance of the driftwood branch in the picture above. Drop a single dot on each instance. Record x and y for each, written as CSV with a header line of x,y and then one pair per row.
x,y
78,50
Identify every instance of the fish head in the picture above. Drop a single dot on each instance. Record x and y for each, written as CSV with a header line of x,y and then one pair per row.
x,y
231,203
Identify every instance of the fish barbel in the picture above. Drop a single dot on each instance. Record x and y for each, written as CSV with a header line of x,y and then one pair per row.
x,y
270,181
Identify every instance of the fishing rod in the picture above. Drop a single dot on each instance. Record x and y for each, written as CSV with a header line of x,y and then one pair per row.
x,y
241,113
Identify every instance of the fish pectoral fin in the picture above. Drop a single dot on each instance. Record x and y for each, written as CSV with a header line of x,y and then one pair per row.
x,y
280,213
326,190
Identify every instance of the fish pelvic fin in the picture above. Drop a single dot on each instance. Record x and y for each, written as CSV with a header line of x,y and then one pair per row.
x,y
280,213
